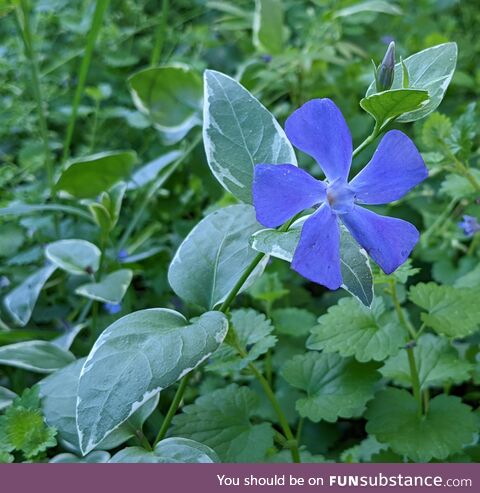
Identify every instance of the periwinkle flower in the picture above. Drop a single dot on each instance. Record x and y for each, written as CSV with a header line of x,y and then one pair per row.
x,y
112,308
386,71
281,191
470,225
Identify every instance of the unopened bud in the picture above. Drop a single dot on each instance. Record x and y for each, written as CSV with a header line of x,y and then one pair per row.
x,y
386,71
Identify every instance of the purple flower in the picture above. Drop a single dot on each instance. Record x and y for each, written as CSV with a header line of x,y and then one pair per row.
x,y
112,308
122,255
281,191
469,225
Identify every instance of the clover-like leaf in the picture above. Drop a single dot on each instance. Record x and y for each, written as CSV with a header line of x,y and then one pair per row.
x,y
454,312
295,322
354,330
133,360
334,386
448,426
222,420
437,361
253,334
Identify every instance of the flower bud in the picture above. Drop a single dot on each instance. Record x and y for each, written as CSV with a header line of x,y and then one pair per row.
x,y
386,71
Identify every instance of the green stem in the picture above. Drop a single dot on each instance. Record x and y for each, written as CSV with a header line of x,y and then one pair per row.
x,y
262,380
439,221
160,35
415,379
152,190
100,8
293,445
23,24
474,244
173,408
375,133
409,348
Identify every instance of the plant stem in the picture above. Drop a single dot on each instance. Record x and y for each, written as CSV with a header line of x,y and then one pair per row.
x,y
293,445
409,347
153,188
23,24
278,410
100,8
375,132
415,379
160,35
173,408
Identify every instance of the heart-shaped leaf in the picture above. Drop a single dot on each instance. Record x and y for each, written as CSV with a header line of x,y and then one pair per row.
x,y
134,359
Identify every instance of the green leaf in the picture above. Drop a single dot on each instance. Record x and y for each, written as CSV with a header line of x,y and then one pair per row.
x,y
401,275
74,256
379,6
353,330
25,431
171,97
334,386
437,361
36,356
222,421
469,280
239,133
6,397
268,26
97,457
253,333
59,402
148,172
21,301
355,266
170,450
12,238
446,429
454,312
214,255
88,176
25,209
459,187
268,288
436,131
364,451
22,427
388,105
111,289
431,70
295,322
134,359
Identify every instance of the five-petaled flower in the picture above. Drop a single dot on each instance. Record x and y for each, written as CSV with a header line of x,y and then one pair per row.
x,y
281,191
470,225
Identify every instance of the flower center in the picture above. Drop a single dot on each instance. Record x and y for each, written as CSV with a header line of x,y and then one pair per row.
x,y
340,197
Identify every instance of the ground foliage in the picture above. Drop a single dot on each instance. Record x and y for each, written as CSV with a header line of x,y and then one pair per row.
x,y
139,320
